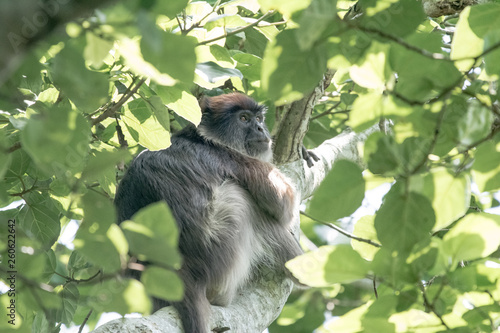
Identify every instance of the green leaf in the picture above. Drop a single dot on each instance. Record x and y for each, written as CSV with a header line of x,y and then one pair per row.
x,y
225,21
249,65
449,194
77,82
182,102
96,50
214,53
5,158
474,236
98,210
491,41
98,234
372,70
20,161
365,228
328,265
351,322
169,8
314,20
286,7
162,283
382,154
122,296
415,320
40,223
474,124
486,169
340,193
212,72
399,18
169,53
393,267
155,227
415,83
144,127
156,106
57,140
283,54
389,158
101,161
69,296
130,50
369,108
93,242
303,314
403,220
474,24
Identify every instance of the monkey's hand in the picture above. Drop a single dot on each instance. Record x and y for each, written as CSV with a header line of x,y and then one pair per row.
x,y
309,156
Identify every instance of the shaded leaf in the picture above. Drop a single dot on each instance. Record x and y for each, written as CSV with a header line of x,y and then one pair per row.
x,y
162,283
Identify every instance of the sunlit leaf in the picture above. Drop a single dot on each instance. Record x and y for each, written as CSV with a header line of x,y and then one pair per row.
x,y
474,236
449,194
365,228
77,82
182,102
486,168
154,225
282,84
328,265
144,127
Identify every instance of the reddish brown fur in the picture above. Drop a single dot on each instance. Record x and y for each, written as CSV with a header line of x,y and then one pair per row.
x,y
227,102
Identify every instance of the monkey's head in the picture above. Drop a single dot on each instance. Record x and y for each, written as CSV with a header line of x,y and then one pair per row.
x,y
236,121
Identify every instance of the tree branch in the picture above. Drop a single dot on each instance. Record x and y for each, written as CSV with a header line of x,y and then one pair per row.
x,y
115,107
289,132
234,32
342,231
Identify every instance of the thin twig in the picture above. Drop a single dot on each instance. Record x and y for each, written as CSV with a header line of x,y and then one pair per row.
x,y
14,147
215,8
234,32
84,322
402,42
70,279
437,130
112,110
329,111
342,231
432,308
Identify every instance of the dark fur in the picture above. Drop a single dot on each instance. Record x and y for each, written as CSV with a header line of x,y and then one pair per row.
x,y
233,210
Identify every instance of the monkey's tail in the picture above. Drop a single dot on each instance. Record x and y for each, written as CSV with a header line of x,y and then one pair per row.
x,y
194,309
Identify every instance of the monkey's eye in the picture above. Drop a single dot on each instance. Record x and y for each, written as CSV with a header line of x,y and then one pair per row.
x,y
259,118
244,118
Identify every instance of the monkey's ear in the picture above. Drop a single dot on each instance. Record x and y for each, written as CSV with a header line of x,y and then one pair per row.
x,y
204,104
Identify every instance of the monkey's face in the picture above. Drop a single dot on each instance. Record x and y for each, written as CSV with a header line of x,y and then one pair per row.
x,y
257,140
236,121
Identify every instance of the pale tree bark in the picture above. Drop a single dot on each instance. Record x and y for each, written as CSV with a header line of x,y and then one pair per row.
x,y
436,8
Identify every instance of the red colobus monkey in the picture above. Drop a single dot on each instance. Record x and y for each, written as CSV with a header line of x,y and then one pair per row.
x,y
232,206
